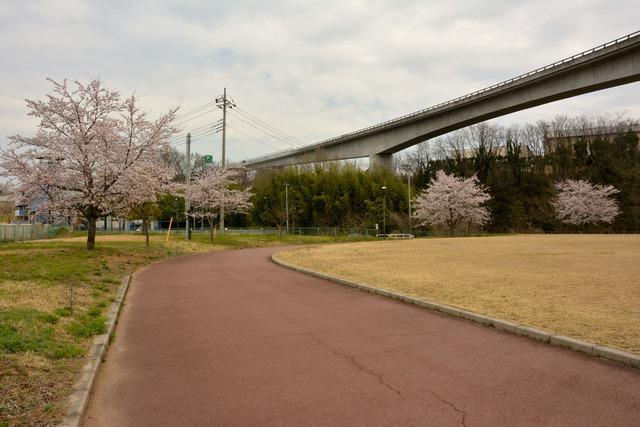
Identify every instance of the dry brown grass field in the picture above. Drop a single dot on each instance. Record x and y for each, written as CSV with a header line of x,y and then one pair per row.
x,y
583,286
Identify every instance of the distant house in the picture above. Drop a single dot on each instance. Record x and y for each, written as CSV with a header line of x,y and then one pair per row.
x,y
568,138
496,150
25,211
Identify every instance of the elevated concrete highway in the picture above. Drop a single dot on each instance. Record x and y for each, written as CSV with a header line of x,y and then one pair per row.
x,y
611,64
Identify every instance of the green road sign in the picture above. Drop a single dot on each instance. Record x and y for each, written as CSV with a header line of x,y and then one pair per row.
x,y
208,158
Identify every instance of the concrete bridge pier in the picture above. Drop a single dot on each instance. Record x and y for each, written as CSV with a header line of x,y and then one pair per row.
x,y
381,160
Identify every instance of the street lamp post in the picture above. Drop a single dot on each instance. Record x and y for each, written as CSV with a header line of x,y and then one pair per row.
x,y
384,212
409,199
286,206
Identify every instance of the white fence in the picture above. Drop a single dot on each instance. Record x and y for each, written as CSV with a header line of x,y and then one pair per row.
x,y
18,232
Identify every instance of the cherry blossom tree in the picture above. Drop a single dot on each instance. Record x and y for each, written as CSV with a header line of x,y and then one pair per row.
x,y
580,202
214,190
452,201
86,152
147,183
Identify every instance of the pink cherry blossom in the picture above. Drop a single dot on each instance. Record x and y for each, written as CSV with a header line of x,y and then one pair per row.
x,y
580,202
452,201
90,152
214,190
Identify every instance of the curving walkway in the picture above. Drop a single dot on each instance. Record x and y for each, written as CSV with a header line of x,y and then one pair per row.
x,y
230,339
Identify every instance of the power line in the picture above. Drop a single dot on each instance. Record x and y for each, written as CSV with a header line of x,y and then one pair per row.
x,y
178,143
238,113
195,130
266,132
251,137
199,130
268,126
203,135
195,110
180,123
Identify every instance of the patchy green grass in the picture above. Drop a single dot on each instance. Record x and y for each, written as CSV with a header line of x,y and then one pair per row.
x,y
54,295
27,329
53,298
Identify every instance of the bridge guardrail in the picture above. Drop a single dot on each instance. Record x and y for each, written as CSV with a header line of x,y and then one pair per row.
x,y
443,104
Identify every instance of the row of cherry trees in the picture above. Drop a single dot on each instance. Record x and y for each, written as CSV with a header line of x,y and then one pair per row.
x,y
453,201
347,196
96,154
521,166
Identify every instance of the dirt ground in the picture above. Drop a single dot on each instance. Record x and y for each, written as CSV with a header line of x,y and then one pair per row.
x,y
584,286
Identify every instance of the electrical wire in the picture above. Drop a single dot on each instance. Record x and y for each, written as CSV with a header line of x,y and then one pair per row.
x,y
265,132
268,126
195,110
251,137
236,112
194,135
205,134
180,123
194,131
198,137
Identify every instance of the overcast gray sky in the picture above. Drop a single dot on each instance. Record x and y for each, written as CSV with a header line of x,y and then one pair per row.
x,y
313,69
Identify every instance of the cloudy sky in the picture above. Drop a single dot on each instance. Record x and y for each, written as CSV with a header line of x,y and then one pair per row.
x,y
313,69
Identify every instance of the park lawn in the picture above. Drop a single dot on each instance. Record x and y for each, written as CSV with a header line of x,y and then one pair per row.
x,y
54,295
583,286
53,299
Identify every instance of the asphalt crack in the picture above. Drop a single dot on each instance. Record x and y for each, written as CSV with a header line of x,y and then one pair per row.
x,y
414,334
352,359
452,406
296,334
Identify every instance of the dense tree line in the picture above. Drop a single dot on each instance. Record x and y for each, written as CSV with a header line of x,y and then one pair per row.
x,y
519,166
329,196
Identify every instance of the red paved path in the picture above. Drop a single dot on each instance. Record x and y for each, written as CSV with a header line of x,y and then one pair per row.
x,y
230,339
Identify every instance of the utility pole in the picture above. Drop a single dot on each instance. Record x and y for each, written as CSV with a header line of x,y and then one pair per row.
x,y
409,200
224,147
223,100
384,212
286,206
187,202
224,125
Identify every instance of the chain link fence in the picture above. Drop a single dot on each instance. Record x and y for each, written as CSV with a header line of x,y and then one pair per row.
x,y
314,231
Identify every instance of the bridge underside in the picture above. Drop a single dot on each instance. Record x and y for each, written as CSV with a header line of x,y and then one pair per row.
x,y
605,70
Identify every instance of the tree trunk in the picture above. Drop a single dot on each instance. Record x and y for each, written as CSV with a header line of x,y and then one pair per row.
x,y
91,235
452,226
212,229
145,230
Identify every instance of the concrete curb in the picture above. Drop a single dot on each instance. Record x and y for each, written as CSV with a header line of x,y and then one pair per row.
x,y
79,399
612,354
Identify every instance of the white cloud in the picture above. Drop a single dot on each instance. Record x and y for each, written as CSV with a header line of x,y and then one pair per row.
x,y
313,69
